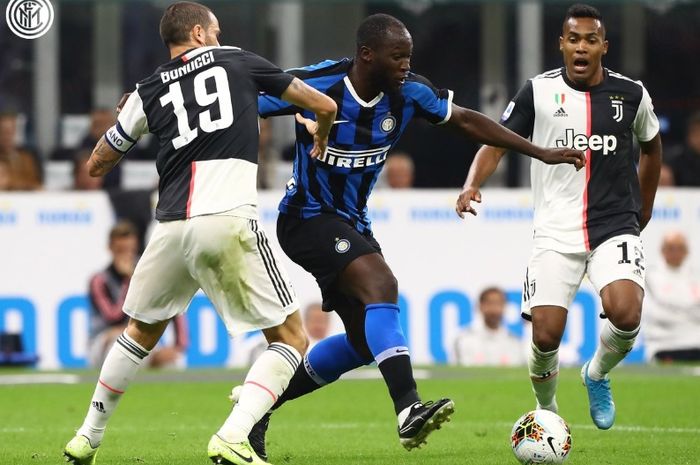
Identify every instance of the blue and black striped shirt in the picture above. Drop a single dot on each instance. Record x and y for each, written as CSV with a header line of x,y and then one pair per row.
x,y
340,182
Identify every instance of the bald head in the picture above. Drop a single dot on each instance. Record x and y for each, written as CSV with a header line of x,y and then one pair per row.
x,y
674,248
399,170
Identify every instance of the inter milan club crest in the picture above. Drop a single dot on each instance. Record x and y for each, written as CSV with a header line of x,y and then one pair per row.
x,y
616,103
29,19
342,245
388,123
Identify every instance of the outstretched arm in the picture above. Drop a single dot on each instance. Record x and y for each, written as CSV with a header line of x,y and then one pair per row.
x,y
480,128
305,96
483,166
649,169
102,159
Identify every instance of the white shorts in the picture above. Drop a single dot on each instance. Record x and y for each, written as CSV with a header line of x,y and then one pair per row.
x,y
228,257
553,278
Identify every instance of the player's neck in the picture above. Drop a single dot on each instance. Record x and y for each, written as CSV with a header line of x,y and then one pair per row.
x,y
597,78
362,83
177,50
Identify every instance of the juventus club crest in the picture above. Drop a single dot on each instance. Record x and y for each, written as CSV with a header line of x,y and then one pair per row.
x,y
616,103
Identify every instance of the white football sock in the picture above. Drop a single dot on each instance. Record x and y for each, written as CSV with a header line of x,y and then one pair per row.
x,y
118,370
614,346
544,371
266,381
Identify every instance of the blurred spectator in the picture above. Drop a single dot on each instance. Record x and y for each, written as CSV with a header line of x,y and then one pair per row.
x,y
82,181
5,175
267,155
24,169
487,341
101,119
666,178
672,304
107,292
317,323
686,165
399,170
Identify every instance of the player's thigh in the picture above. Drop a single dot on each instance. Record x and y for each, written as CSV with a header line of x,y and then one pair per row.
x,y
324,245
617,270
235,265
618,258
161,286
552,279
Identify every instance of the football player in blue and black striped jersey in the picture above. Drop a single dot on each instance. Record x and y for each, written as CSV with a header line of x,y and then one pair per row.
x,y
323,223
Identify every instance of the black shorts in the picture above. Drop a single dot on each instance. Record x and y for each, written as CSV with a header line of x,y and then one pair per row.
x,y
323,245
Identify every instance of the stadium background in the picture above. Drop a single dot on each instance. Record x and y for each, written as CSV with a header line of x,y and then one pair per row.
x,y
51,241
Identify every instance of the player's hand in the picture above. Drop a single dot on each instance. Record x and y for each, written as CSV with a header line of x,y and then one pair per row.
x,y
465,199
122,101
557,156
320,145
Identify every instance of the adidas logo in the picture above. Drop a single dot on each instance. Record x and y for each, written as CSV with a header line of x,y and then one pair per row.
x,y
560,112
99,406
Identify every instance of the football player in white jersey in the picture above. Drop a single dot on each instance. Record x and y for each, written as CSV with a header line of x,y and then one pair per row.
x,y
586,222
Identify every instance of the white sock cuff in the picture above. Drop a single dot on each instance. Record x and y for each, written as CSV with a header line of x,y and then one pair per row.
x,y
543,365
288,353
132,349
616,339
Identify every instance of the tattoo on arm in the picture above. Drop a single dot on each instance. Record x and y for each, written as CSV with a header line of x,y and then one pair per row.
x,y
103,159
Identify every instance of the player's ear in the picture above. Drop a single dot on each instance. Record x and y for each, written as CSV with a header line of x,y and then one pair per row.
x,y
605,47
199,34
366,54
561,43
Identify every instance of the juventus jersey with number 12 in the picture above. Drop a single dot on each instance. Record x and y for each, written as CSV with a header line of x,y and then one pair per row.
x,y
577,211
203,108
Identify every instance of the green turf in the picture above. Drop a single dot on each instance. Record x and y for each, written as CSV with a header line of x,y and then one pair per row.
x,y
352,422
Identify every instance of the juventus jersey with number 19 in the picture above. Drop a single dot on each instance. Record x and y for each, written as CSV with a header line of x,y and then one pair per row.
x,y
341,181
577,211
203,107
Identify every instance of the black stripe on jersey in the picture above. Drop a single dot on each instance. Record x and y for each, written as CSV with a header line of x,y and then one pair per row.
x,y
286,353
551,74
363,190
363,130
140,353
277,283
337,182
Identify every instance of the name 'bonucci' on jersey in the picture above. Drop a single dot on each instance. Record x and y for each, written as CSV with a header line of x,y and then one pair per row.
x,y
577,211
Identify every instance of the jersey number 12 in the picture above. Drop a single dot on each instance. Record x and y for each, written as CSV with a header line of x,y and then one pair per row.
x,y
204,99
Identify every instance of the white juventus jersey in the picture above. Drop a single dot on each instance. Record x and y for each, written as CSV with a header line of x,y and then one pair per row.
x,y
203,107
577,211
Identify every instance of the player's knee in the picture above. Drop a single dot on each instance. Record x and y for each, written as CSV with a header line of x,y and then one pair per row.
x,y
546,341
383,287
628,320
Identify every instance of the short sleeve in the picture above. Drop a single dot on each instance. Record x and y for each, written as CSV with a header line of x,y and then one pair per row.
x,y
646,124
519,115
269,78
432,104
131,125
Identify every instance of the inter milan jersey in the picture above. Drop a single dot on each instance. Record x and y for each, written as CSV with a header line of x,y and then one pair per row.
x,y
577,211
202,106
342,180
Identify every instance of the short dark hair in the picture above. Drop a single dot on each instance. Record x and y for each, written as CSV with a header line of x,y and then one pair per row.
x,y
179,19
491,290
581,10
374,29
122,229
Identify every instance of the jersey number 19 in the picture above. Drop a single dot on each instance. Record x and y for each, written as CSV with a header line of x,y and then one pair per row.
x,y
204,99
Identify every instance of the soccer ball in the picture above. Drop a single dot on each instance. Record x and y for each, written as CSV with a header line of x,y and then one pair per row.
x,y
540,436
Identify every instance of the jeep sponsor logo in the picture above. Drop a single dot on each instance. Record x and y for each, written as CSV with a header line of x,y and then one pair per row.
x,y
596,143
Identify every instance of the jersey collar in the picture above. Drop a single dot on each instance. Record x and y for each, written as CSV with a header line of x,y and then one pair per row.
x,y
358,99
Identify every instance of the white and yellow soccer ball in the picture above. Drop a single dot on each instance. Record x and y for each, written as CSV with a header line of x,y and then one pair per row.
x,y
540,436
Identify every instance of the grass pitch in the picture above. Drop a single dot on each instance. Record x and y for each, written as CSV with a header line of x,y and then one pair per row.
x,y
167,418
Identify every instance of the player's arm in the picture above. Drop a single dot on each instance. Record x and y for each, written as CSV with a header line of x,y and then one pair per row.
x,y
483,166
649,170
308,98
483,129
102,159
